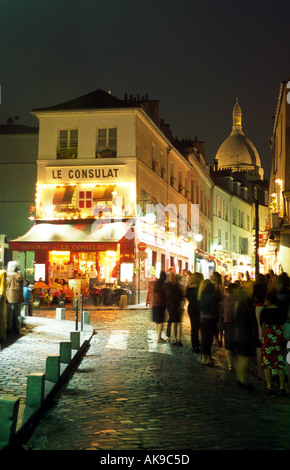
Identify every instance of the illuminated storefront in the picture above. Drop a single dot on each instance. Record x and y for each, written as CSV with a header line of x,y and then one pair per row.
x,y
101,160
84,217
69,249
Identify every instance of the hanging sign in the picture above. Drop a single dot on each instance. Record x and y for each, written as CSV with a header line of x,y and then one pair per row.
x,y
142,246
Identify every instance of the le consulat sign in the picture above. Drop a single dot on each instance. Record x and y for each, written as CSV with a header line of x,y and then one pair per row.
x,y
86,173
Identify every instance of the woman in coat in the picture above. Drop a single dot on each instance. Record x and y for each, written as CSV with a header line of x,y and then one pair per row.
x,y
175,308
209,315
14,295
245,335
194,309
159,305
229,304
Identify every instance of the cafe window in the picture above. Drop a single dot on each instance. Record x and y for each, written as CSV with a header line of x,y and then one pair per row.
x,y
67,143
106,145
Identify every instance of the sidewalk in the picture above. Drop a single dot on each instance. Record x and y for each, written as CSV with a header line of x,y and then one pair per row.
x,y
24,358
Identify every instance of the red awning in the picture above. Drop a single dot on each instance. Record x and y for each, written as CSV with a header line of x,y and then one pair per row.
x,y
100,235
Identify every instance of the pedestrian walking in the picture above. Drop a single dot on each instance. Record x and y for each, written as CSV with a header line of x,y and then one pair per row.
x,y
259,296
175,308
159,305
216,279
27,296
14,296
245,342
273,350
208,319
229,303
283,292
193,309
248,285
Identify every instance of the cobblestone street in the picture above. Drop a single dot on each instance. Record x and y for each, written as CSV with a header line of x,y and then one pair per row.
x,y
130,393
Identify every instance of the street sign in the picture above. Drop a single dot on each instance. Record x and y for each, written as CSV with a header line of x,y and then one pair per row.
x,y
142,246
141,255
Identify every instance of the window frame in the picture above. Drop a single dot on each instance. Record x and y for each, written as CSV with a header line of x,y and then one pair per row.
x,y
67,147
110,142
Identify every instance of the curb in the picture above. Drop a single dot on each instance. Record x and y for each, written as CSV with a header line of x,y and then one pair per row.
x,y
19,420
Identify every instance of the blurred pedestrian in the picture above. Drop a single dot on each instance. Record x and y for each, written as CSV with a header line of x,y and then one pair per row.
x,y
216,279
227,280
229,303
193,308
259,295
175,307
248,285
93,276
14,296
273,350
27,296
244,335
209,315
283,292
159,305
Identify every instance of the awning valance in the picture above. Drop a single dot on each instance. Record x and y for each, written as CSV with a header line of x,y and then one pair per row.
x,y
104,193
63,195
100,235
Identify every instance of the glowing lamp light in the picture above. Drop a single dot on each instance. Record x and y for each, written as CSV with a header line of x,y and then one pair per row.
x,y
150,218
198,237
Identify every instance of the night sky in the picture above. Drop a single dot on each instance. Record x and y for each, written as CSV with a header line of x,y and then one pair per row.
x,y
194,56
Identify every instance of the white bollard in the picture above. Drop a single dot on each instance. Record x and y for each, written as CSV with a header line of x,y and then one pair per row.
x,y
60,314
86,317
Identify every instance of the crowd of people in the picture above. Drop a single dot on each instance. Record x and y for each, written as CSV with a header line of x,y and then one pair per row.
x,y
250,318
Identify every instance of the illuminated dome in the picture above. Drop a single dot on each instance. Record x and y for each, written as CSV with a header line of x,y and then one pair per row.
x,y
238,152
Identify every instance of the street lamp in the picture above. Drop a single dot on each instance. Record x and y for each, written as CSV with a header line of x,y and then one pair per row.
x,y
198,237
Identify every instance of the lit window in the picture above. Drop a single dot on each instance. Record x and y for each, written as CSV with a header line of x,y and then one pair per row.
x,y
106,143
67,143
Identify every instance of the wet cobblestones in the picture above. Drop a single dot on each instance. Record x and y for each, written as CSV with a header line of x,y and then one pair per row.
x,y
162,398
130,393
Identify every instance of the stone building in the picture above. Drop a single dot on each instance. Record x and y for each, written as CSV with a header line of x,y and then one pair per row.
x,y
110,177
278,247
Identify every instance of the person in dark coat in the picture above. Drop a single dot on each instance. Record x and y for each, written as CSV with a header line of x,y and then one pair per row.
x,y
259,295
229,303
193,309
175,299
216,279
159,305
209,315
245,335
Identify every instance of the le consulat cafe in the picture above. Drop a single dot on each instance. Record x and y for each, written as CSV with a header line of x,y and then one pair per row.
x,y
90,212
